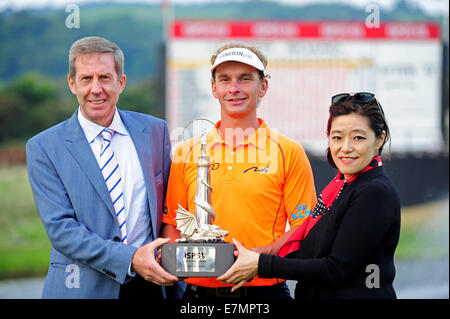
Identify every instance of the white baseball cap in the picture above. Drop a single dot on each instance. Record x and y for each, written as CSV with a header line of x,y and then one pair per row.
x,y
242,55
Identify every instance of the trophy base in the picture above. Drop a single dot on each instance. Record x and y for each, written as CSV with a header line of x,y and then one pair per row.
x,y
194,259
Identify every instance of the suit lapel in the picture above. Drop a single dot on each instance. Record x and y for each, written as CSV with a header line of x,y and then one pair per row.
x,y
78,147
142,142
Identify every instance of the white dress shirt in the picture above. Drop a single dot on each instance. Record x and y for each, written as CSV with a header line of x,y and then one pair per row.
x,y
134,190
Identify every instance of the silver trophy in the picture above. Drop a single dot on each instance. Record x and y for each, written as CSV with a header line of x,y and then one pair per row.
x,y
200,228
202,250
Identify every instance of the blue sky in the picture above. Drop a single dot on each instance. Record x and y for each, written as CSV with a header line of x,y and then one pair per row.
x,y
430,6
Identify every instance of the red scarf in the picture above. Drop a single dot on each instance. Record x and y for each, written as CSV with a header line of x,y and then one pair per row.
x,y
328,196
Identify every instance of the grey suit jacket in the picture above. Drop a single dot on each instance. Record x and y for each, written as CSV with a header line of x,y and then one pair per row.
x,y
86,260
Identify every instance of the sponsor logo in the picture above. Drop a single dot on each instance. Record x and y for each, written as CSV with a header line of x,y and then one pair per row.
x,y
214,166
234,53
301,212
194,255
262,170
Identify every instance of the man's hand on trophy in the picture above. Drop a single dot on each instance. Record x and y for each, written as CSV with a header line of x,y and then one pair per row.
x,y
244,269
145,264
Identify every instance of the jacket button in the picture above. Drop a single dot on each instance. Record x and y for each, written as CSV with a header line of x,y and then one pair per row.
x,y
109,273
116,238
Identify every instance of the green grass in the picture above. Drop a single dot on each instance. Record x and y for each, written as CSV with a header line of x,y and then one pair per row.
x,y
425,232
25,248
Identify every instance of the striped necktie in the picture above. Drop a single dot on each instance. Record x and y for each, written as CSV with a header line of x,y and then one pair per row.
x,y
111,174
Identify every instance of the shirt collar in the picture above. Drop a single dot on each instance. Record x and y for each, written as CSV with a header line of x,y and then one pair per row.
x,y
92,130
258,139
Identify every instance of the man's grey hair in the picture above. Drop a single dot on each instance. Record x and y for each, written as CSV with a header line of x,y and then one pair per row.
x,y
92,45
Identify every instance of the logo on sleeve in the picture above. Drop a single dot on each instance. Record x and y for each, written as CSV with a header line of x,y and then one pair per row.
x,y
301,212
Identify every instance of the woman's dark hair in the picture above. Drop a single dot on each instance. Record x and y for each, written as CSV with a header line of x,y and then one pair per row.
x,y
371,110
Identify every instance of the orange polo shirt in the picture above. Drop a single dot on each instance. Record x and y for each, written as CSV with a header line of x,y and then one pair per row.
x,y
256,188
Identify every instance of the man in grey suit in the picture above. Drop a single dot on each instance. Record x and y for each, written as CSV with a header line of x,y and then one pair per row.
x,y
103,227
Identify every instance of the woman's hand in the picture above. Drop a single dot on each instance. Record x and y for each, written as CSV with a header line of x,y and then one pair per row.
x,y
244,269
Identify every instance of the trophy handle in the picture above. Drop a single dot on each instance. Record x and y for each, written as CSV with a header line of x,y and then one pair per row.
x,y
207,185
206,207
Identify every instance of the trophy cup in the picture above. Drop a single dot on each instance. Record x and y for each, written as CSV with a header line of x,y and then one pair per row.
x,y
202,250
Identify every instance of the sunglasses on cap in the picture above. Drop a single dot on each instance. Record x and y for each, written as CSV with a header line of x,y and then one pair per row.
x,y
361,97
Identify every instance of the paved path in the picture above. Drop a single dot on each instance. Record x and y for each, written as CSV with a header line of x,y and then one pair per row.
x,y
30,288
422,279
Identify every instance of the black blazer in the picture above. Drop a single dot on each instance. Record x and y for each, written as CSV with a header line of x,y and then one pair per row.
x,y
349,253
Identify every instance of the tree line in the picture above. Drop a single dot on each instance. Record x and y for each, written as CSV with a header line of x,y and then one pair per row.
x,y
40,39
33,102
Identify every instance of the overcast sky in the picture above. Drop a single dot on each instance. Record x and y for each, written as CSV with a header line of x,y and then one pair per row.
x,y
431,6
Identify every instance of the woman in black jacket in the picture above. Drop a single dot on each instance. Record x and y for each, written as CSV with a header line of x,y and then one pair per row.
x,y
349,253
